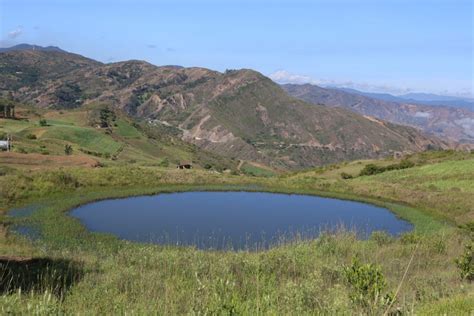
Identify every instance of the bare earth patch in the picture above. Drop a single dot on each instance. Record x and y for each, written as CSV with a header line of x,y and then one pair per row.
x,y
38,161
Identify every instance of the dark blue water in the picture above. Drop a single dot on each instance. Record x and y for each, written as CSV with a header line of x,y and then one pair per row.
x,y
234,220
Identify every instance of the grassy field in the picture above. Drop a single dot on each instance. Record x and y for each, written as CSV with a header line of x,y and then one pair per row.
x,y
69,270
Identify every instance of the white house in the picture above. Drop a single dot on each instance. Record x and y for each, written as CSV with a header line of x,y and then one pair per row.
x,y
5,145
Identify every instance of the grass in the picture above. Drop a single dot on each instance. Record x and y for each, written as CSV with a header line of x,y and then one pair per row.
x,y
124,143
88,138
91,273
253,170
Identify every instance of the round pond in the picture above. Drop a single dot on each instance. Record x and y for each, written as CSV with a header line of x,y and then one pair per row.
x,y
233,220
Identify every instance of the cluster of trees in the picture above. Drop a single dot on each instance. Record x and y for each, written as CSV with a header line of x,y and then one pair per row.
x,y
102,116
372,169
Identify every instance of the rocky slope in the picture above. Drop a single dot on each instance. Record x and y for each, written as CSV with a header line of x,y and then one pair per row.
x,y
239,114
456,124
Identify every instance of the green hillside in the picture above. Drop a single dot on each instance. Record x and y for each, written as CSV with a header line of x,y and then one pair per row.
x,y
126,141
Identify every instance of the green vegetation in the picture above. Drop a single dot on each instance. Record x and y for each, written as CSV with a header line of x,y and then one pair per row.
x,y
372,169
256,171
70,270
68,149
465,262
368,284
122,141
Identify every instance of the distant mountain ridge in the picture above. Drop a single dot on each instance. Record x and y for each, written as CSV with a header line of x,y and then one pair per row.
x,y
419,98
239,114
456,124
32,47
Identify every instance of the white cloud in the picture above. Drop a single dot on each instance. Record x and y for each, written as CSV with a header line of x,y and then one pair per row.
x,y
283,76
15,33
467,124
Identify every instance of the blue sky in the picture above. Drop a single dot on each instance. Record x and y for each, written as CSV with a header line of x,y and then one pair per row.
x,y
385,45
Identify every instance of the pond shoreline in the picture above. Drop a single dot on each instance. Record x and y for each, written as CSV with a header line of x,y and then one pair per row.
x,y
58,206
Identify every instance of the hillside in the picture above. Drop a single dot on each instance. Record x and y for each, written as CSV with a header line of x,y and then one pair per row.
x,y
41,145
239,114
456,124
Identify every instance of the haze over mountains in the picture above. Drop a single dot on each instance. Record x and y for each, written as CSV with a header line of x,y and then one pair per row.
x,y
456,124
238,114
419,98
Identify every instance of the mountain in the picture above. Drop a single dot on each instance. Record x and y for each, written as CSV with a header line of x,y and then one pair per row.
x,y
451,123
238,114
31,47
419,98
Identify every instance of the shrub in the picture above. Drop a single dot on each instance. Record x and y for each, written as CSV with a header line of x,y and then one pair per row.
x,y
68,149
64,180
164,163
43,122
410,238
31,136
368,285
371,169
380,237
465,263
346,176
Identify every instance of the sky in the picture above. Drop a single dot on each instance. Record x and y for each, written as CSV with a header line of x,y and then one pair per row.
x,y
394,46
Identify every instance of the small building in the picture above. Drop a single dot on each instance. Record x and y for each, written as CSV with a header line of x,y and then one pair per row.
x,y
185,165
7,110
5,145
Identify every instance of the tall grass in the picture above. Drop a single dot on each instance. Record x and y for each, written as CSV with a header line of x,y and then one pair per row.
x,y
91,273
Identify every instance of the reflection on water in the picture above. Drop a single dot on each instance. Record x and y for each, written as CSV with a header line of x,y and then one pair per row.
x,y
232,220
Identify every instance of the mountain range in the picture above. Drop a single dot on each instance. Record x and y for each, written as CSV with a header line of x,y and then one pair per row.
x,y
455,124
420,98
239,114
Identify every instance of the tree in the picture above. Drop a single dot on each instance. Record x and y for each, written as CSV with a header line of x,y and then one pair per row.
x,y
68,149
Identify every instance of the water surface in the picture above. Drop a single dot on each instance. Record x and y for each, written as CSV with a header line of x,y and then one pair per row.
x,y
237,220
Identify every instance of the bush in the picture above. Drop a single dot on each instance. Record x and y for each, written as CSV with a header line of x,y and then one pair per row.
x,y
465,263
64,180
372,169
410,238
68,149
346,176
381,237
368,285
31,136
43,122
164,163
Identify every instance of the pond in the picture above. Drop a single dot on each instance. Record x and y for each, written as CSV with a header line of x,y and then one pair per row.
x,y
232,220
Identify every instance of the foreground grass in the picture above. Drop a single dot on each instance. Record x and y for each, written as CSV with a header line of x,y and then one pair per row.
x,y
89,273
